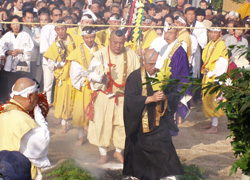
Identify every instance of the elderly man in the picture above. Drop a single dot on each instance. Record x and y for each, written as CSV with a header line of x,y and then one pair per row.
x,y
149,151
56,55
215,63
23,126
102,37
80,60
108,72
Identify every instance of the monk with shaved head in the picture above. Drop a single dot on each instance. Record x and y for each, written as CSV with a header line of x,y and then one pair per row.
x,y
23,126
148,117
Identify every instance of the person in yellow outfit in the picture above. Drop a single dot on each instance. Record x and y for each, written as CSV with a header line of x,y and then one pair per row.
x,y
85,20
215,61
108,72
102,37
80,59
56,56
146,38
23,126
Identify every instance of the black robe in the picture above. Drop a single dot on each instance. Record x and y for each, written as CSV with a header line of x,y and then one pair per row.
x,y
149,156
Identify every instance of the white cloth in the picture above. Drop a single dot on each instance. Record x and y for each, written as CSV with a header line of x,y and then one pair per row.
x,y
221,66
164,54
48,36
214,121
94,77
9,42
48,80
103,151
35,143
77,75
200,34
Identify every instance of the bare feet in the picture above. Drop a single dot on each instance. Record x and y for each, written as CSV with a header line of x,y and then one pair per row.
x,y
64,129
80,141
118,156
212,130
179,120
103,159
207,126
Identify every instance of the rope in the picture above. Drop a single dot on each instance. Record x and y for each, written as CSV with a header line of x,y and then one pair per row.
x,y
105,25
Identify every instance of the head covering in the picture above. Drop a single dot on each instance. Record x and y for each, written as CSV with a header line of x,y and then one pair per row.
x,y
115,17
60,23
200,12
14,166
88,30
25,92
233,13
160,1
146,20
87,16
178,18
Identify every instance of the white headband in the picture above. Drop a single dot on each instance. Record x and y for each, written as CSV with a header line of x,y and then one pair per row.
x,y
60,24
214,29
181,20
166,28
147,21
86,33
25,92
86,18
113,18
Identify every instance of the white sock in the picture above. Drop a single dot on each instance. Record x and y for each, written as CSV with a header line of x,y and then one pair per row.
x,y
118,150
63,122
103,151
81,132
214,121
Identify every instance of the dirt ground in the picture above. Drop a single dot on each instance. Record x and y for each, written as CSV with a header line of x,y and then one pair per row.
x,y
213,153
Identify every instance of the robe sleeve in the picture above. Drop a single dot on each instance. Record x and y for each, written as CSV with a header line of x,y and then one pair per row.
x,y
27,48
95,77
35,143
134,103
221,66
77,75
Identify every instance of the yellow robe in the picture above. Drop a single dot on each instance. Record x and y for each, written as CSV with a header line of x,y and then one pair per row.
x,y
183,35
108,124
212,52
148,38
64,94
102,37
82,97
74,31
14,125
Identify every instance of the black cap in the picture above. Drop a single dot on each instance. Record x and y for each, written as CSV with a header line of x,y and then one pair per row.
x,y
119,33
200,12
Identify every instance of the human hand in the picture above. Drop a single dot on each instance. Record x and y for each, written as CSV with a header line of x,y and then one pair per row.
x,y
159,96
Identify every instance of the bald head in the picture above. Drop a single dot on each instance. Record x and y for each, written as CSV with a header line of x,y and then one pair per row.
x,y
23,83
117,40
150,58
28,93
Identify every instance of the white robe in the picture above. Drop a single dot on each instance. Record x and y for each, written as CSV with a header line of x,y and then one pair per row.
x,y
35,143
8,42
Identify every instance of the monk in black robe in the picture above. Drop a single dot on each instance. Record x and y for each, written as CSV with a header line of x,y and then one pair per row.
x,y
149,152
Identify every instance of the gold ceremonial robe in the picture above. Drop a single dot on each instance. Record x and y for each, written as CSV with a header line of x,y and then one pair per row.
x,y
147,39
74,31
14,125
108,122
102,37
212,52
83,56
183,35
64,91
